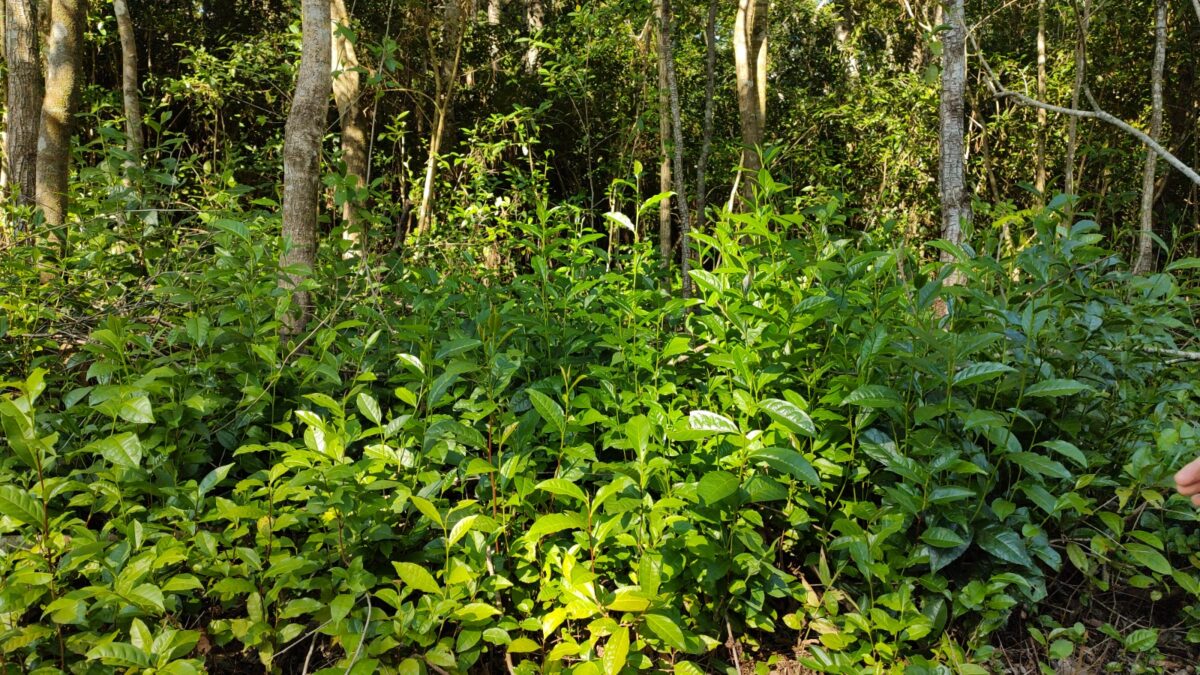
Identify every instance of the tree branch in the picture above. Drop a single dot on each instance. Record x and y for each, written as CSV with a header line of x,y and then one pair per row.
x,y
999,91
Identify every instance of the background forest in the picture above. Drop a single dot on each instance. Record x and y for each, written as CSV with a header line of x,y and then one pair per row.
x,y
400,336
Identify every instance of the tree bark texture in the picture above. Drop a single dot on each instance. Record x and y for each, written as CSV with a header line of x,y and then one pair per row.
x,y
302,158
1039,178
535,17
352,117
134,142
1084,18
67,18
447,78
24,97
710,67
664,143
956,205
668,50
1145,256
750,63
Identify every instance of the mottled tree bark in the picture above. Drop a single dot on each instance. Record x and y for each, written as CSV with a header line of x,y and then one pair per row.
x,y
352,118
710,68
24,97
494,8
1145,255
445,84
67,18
1039,177
302,157
1069,178
664,144
134,142
668,50
534,20
956,205
750,62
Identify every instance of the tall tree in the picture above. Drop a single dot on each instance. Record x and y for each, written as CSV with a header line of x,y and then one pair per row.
x,y
24,97
445,87
494,13
710,68
1083,18
352,116
535,18
664,145
1039,178
750,62
1145,249
952,176
67,18
302,157
129,83
668,50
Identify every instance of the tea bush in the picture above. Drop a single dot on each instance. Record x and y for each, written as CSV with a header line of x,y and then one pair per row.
x,y
572,469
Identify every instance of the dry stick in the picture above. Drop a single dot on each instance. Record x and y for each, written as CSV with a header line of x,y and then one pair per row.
x,y
999,91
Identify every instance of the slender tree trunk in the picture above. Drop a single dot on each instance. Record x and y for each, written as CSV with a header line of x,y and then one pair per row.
x,y
129,84
1039,179
534,20
710,67
63,62
494,9
1069,178
956,205
445,83
302,158
750,62
352,118
668,50
24,97
1145,255
664,144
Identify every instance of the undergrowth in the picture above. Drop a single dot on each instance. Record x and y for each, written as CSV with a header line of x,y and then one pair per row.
x,y
569,468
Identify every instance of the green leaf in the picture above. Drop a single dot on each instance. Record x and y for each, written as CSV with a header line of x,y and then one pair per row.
x,y
1005,545
369,408
427,508
551,523
873,396
417,577
666,629
789,415
461,528
563,488
616,651
19,505
1149,557
120,654
716,486
137,410
456,347
942,537
522,645
630,599
1142,640
1039,465
703,420
980,372
123,450
1068,450
789,461
148,596
1055,388
549,409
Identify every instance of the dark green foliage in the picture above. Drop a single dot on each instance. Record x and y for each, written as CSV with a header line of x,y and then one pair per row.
x,y
571,465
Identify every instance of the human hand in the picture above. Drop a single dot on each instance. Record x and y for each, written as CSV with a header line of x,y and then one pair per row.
x,y
1187,481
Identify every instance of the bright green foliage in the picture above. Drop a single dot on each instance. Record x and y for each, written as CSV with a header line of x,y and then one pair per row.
x,y
574,467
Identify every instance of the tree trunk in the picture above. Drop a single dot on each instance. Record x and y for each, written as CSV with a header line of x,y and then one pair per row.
x,y
750,61
352,118
129,84
302,157
534,20
494,8
1039,178
710,67
445,81
667,49
24,97
956,205
1145,255
67,18
664,143
1069,179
